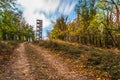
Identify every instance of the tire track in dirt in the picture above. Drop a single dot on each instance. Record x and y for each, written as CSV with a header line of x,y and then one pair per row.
x,y
19,67
58,65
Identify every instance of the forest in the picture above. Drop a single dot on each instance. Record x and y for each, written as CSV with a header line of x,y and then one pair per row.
x,y
86,48
97,23
12,24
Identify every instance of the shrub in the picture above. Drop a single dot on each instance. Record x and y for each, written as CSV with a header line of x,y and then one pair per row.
x,y
56,46
108,62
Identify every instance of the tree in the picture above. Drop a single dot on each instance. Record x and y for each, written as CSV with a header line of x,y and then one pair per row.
x,y
12,24
60,27
97,23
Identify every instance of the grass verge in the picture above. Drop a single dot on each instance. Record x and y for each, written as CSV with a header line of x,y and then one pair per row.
x,y
6,51
100,64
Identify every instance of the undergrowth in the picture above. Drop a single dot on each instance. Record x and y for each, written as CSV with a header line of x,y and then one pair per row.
x,y
6,51
101,64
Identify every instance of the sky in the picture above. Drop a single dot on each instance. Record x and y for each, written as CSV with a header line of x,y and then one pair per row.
x,y
48,11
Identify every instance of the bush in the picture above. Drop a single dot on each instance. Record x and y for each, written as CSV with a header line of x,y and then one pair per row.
x,y
6,50
65,48
108,62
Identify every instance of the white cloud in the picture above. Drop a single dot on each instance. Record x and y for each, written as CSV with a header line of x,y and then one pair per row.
x,y
69,8
43,5
41,9
32,17
32,9
66,7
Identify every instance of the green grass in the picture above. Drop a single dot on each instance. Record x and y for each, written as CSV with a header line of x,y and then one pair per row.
x,y
64,48
98,63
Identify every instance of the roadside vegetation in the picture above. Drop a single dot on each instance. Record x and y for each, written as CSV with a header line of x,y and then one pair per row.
x,y
97,24
97,63
89,44
12,24
13,30
6,54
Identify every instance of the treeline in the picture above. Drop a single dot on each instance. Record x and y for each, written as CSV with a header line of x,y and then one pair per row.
x,y
12,24
97,23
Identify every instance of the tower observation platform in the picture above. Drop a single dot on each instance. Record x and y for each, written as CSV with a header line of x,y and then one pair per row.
x,y
39,24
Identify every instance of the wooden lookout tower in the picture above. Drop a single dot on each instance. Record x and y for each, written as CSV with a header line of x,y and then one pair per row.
x,y
39,29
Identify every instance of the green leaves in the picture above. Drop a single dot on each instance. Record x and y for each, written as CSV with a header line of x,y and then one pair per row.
x,y
12,25
60,28
95,24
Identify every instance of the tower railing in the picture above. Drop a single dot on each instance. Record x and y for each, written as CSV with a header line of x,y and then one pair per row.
x,y
39,29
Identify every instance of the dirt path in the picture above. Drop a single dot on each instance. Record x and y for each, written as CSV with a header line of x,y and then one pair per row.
x,y
18,68
31,62
59,66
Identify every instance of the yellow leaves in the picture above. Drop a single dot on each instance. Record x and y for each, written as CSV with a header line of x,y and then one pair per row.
x,y
11,57
99,79
118,34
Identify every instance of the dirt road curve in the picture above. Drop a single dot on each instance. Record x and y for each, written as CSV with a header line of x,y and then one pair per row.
x,y
35,63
